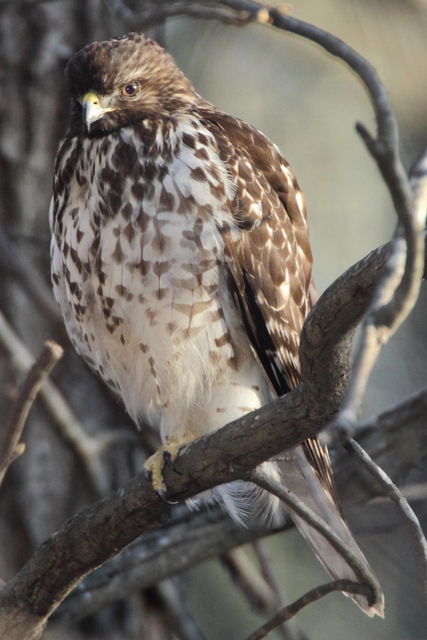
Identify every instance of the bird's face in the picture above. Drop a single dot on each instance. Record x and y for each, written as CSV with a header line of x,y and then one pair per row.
x,y
121,81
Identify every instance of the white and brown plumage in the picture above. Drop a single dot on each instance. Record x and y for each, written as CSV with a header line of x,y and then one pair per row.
x,y
181,263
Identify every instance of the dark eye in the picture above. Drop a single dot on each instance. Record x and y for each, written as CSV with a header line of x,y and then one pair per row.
x,y
130,90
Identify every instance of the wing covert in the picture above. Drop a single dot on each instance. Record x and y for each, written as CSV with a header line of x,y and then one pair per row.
x,y
269,260
267,249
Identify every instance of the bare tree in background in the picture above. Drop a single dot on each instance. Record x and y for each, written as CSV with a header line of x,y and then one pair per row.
x,y
79,444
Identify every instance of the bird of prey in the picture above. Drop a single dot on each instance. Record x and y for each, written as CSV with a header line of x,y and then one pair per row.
x,y
182,267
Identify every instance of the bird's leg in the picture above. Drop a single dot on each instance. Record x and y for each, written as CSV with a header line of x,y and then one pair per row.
x,y
166,454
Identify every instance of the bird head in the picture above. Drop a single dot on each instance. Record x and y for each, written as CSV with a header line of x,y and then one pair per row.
x,y
121,81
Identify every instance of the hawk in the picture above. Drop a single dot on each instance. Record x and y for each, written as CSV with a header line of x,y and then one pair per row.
x,y
182,267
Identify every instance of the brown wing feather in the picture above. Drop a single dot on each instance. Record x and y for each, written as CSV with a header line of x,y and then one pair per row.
x,y
269,259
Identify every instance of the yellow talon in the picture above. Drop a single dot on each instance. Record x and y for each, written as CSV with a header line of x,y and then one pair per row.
x,y
154,464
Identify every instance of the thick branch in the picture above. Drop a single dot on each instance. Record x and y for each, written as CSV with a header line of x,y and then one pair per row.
x,y
327,333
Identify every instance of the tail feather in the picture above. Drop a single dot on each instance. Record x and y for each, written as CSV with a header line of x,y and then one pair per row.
x,y
246,503
298,476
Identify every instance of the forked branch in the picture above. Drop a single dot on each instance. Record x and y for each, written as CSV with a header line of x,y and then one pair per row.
x,y
12,447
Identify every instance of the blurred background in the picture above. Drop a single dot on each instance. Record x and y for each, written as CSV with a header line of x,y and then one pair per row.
x,y
307,103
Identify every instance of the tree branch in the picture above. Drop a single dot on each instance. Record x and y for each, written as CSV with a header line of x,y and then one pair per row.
x,y
157,12
382,438
286,613
87,448
389,489
187,539
245,577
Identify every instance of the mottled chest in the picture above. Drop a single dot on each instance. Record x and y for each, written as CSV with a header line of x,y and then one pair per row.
x,y
135,253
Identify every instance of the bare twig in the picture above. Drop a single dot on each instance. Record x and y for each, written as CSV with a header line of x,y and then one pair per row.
x,y
86,448
289,630
180,620
11,446
243,573
150,17
390,490
297,506
157,12
311,596
398,290
382,437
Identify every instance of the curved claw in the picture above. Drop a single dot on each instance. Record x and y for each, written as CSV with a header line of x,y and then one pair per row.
x,y
160,492
163,497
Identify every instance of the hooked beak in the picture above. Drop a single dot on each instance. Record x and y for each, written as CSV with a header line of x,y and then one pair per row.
x,y
92,109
